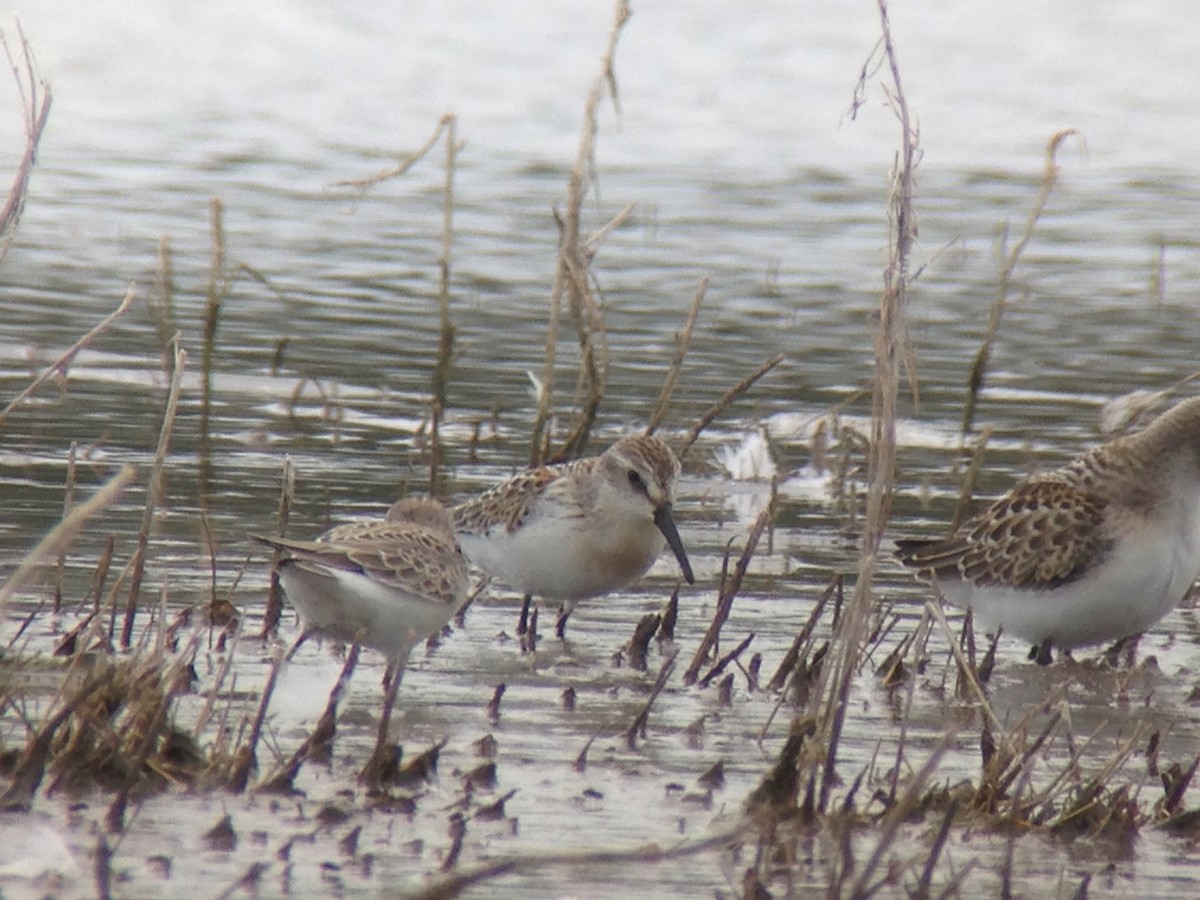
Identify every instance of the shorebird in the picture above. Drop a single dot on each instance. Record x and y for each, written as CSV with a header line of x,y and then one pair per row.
x,y
386,584
1095,551
578,530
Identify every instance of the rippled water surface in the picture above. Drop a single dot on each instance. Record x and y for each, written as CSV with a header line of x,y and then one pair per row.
x,y
736,149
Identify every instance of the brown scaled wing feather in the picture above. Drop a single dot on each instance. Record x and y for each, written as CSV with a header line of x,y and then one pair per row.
x,y
398,554
509,502
1043,533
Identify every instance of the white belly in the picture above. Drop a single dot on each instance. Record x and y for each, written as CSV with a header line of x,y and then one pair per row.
x,y
1144,578
560,559
353,608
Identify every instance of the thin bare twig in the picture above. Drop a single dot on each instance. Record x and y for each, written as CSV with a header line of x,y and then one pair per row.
x,y
571,278
405,164
64,532
35,99
682,342
725,400
63,363
979,368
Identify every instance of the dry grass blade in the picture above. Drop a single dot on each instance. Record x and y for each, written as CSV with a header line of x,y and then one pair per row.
x,y
154,494
63,363
287,496
64,532
852,631
899,813
32,765
638,727
967,492
571,279
458,884
725,400
35,98
683,341
725,601
407,163
979,368
441,368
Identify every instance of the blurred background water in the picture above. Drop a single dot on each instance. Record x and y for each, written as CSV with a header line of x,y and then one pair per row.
x,y
736,144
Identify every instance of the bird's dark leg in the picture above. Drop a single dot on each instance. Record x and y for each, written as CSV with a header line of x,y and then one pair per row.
x,y
1123,651
381,766
1041,653
560,627
523,622
304,636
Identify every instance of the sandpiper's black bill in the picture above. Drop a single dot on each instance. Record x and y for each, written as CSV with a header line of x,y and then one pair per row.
x,y
666,524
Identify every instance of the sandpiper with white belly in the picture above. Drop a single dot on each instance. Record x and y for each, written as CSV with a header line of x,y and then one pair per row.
x,y
578,530
1098,550
386,584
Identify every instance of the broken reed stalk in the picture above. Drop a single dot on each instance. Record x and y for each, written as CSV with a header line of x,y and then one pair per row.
x,y
897,815
455,886
572,279
61,365
218,289
724,662
683,341
61,535
287,496
441,369
404,165
967,672
35,100
725,601
725,400
799,649
967,492
68,502
246,757
115,817
162,299
320,739
32,765
829,702
154,493
979,368
638,727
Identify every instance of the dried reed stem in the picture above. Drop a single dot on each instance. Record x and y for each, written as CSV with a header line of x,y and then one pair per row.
x,y
725,601
68,502
218,289
154,493
850,637
725,400
64,532
287,496
638,727
441,369
683,342
967,491
63,363
449,888
571,279
35,101
979,368
405,164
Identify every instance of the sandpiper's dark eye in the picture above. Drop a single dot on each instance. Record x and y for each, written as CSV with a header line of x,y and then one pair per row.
x,y
636,480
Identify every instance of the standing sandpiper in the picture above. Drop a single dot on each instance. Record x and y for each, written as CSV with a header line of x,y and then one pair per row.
x,y
1098,550
577,530
386,584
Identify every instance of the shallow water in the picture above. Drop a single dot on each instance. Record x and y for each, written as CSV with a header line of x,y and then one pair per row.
x,y
734,144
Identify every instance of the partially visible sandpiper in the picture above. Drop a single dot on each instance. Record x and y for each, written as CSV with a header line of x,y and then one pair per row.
x,y
386,584
1098,550
577,530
